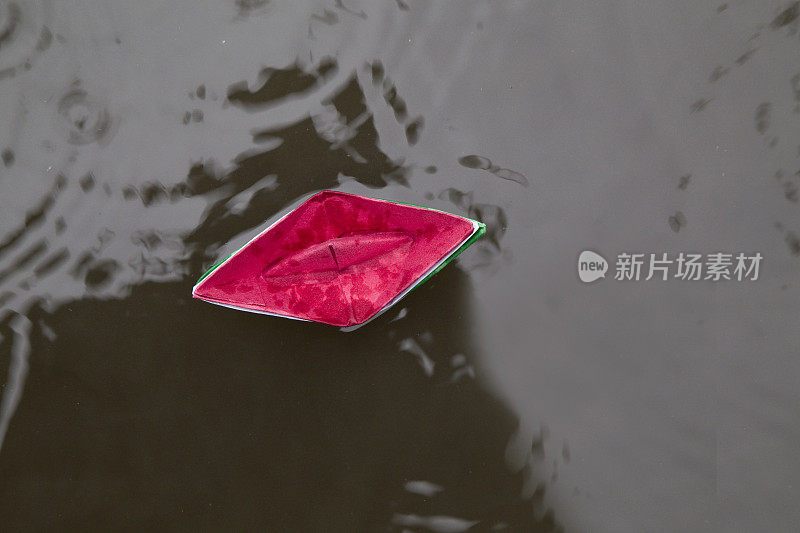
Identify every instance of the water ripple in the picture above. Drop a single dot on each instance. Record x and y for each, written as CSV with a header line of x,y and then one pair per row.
x,y
23,34
83,118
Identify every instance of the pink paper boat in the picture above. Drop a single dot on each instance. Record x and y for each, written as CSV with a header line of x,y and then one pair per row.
x,y
339,259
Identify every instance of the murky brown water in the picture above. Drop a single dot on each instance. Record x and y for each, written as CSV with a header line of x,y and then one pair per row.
x,y
141,142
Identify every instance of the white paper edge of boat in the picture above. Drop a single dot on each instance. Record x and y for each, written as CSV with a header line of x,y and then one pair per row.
x,y
346,329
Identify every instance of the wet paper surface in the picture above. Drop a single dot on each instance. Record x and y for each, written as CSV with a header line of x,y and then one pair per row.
x,y
140,145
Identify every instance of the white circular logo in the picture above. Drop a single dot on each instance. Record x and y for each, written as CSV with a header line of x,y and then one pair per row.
x,y
591,266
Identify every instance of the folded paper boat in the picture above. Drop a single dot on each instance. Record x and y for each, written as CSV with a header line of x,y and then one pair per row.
x,y
338,259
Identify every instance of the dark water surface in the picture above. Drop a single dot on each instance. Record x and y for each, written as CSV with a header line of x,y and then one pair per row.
x,y
141,142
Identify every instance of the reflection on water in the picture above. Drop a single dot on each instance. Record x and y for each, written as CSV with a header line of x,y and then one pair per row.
x,y
303,157
484,163
160,413
249,423
280,83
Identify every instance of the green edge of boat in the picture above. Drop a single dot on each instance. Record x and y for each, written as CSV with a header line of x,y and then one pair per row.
x,y
212,269
475,236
